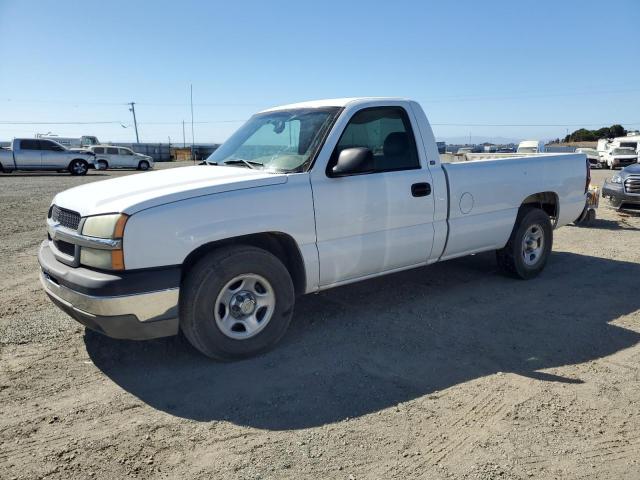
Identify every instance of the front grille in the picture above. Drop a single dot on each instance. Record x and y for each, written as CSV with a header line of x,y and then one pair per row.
x,y
632,184
66,218
626,161
65,247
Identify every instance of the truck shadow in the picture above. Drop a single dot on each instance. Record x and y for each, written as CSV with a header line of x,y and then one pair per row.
x,y
361,348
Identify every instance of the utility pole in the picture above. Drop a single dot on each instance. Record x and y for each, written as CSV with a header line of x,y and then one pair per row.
x,y
184,139
132,109
193,135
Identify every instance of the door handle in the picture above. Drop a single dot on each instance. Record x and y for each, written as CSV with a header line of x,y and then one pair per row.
x,y
421,189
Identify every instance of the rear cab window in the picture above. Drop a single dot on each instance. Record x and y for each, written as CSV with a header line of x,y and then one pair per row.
x,y
29,144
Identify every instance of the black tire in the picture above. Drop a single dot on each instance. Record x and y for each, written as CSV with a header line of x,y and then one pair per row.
x,y
204,283
511,258
103,164
78,167
143,165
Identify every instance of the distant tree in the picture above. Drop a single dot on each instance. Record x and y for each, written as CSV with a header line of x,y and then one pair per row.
x,y
584,135
617,131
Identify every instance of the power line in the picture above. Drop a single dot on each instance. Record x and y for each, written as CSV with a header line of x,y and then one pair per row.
x,y
110,122
158,104
29,122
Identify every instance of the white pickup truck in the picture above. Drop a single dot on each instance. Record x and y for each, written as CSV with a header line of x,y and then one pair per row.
x,y
31,154
301,198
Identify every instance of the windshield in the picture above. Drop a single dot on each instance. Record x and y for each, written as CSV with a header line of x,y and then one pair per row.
x,y
528,150
283,140
623,151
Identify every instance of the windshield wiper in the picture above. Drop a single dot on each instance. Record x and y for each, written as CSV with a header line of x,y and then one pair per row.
x,y
248,163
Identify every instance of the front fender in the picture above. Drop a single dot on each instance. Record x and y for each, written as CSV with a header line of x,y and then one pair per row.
x,y
167,234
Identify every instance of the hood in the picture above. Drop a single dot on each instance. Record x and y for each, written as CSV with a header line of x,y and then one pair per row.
x,y
631,169
137,192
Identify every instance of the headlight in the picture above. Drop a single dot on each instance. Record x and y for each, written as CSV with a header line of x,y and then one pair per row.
x,y
616,179
105,226
108,227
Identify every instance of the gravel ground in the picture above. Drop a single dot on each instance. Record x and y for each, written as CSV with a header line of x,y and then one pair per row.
x,y
451,371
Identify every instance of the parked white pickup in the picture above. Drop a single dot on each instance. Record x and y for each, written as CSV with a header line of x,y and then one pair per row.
x,y
301,198
38,154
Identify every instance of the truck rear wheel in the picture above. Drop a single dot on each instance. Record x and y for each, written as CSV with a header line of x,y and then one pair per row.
x,y
78,167
525,254
236,302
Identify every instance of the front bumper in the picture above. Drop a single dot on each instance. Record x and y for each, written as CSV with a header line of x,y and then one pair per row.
x,y
616,192
623,162
128,305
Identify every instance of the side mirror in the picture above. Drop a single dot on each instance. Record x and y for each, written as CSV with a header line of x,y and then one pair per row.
x,y
353,161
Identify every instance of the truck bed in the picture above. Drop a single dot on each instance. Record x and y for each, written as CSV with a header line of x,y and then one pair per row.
x,y
483,205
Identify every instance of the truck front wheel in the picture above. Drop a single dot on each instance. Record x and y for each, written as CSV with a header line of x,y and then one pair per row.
x,y
78,167
526,253
236,302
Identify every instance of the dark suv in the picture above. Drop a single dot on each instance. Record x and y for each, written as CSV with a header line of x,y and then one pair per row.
x,y
623,189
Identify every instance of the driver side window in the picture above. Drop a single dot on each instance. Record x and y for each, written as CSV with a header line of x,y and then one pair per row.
x,y
386,131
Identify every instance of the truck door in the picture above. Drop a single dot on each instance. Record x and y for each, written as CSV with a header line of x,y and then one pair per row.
x,y
28,154
52,155
382,219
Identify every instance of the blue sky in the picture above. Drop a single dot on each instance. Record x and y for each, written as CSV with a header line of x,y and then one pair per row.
x,y
473,65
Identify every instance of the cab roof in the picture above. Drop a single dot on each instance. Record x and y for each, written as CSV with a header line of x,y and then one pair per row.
x,y
335,102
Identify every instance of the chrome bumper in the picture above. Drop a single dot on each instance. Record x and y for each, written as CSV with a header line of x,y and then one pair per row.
x,y
146,307
131,305
132,317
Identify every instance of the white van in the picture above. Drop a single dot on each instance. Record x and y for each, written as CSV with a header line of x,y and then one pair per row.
x,y
531,146
630,141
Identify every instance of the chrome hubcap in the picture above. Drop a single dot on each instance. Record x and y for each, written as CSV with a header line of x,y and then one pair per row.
x,y
533,245
244,306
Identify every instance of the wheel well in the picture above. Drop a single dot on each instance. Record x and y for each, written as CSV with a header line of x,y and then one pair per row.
x,y
283,246
102,160
546,201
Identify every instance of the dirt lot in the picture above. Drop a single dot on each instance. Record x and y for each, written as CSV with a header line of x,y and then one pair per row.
x,y
451,371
